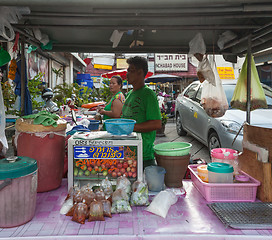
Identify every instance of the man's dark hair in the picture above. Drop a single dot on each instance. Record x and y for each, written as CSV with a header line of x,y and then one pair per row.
x,y
119,80
139,63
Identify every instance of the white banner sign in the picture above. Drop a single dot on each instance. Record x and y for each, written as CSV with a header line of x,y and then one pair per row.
x,y
171,62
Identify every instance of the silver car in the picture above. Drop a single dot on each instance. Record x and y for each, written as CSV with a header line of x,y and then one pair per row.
x,y
217,132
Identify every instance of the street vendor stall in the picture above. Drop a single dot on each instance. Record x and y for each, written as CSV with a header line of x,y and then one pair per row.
x,y
168,28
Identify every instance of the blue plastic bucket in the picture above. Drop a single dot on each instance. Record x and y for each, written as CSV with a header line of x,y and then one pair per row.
x,y
154,176
94,125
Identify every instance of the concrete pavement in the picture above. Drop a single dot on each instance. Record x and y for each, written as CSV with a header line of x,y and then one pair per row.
x,y
198,150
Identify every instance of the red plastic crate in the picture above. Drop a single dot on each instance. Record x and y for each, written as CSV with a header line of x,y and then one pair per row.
x,y
225,192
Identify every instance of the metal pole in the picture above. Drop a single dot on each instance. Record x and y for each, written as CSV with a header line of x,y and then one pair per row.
x,y
23,77
248,80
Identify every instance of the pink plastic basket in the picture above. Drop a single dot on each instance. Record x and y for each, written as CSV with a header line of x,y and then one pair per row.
x,y
229,192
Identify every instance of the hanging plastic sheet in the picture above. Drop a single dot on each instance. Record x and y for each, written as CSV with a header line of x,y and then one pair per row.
x,y
257,96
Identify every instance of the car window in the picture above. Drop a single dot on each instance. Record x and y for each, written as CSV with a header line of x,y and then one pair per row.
x,y
229,90
269,101
191,91
198,95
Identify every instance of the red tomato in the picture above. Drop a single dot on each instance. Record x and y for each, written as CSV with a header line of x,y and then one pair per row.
x,y
90,169
130,174
119,165
117,170
133,169
128,169
107,165
134,175
134,164
125,174
125,165
119,174
122,170
96,168
114,174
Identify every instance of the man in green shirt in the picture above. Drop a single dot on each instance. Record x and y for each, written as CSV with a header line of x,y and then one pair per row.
x,y
142,105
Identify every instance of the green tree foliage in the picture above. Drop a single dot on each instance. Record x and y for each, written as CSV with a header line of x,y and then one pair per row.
x,y
35,86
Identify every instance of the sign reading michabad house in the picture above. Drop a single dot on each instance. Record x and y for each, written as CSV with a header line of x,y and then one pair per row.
x,y
171,62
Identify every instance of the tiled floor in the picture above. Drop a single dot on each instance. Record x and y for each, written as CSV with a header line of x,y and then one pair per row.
x,y
189,217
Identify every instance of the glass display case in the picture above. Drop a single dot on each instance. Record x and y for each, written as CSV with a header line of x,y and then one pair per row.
x,y
92,157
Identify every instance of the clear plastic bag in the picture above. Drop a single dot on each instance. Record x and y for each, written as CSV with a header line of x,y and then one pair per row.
x,y
88,196
139,195
71,211
106,186
96,212
99,195
205,71
119,194
162,202
106,208
257,96
80,213
123,183
213,98
120,206
78,196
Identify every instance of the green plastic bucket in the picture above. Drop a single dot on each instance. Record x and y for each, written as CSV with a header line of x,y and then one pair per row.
x,y
173,148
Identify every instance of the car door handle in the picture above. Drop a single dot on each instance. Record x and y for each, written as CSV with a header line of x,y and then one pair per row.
x,y
191,109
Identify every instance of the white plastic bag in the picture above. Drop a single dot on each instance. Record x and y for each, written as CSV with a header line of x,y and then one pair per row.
x,y
3,138
162,202
66,206
213,97
197,45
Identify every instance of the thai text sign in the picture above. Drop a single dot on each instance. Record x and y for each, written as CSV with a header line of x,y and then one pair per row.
x,y
98,152
171,62
226,72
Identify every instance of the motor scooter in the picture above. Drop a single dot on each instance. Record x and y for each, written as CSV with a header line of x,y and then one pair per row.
x,y
50,106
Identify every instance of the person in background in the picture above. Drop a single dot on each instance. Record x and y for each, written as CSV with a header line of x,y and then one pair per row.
x,y
142,105
113,108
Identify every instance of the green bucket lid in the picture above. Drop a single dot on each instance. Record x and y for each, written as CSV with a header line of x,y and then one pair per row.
x,y
15,167
219,167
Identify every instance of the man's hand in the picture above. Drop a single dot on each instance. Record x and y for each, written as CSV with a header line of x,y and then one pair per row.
x,y
147,126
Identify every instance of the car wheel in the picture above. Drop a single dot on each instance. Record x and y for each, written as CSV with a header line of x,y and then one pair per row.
x,y
214,141
180,130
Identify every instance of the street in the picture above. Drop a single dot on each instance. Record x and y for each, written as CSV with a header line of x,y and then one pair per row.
x,y
198,150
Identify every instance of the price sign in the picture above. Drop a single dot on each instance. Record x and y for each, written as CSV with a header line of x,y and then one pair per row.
x,y
98,152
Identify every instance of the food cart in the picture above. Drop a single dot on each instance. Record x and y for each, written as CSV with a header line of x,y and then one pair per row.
x,y
92,157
